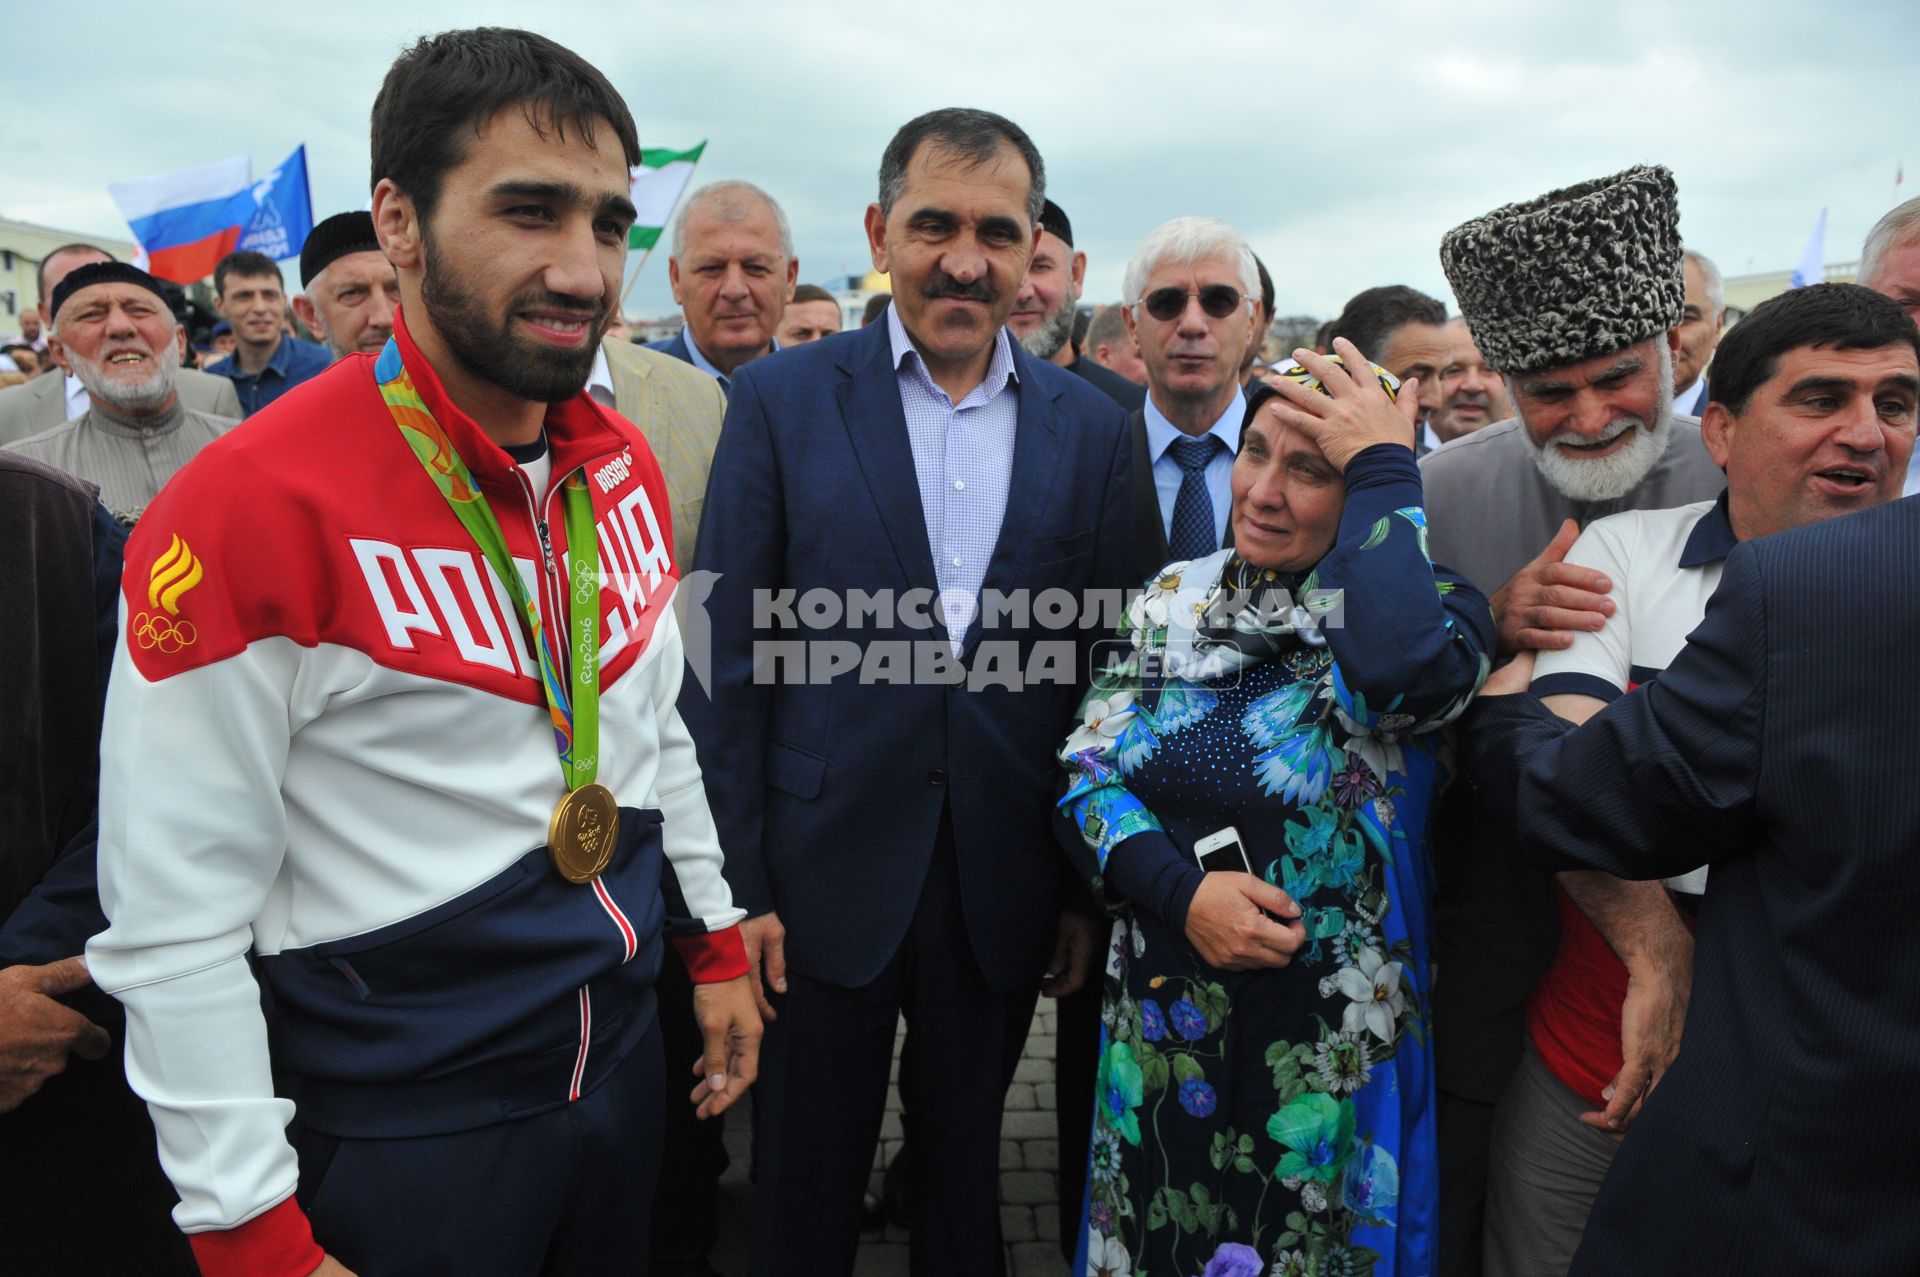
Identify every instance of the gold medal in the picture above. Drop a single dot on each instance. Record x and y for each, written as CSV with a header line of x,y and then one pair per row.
x,y
583,833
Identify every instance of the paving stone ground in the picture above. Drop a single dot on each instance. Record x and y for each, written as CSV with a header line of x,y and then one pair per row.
x,y
1029,1158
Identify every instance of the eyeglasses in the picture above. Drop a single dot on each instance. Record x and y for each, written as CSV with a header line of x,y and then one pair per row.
x,y
1168,304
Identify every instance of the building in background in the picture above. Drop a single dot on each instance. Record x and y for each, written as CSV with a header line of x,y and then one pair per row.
x,y
22,245
1744,292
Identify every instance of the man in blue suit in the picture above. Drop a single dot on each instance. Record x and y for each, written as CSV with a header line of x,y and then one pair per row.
x,y
732,270
1774,748
885,776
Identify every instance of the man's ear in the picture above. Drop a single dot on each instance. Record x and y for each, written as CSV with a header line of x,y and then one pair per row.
x,y
58,352
180,336
793,276
307,314
673,280
1673,342
1717,428
877,238
396,221
1079,272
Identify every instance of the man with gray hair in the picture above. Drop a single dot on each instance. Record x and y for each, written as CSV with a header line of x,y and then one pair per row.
x,y
733,272
1190,301
1702,315
1573,297
112,325
1890,266
42,403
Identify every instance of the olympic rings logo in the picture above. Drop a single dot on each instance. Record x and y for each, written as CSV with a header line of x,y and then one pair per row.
x,y
585,588
156,632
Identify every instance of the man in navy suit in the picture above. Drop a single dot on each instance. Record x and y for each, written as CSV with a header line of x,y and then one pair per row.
x,y
733,271
1774,748
887,688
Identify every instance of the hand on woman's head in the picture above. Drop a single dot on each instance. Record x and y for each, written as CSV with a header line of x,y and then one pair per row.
x,y
1348,412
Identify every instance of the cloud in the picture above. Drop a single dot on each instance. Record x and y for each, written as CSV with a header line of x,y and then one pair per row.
x,y
1342,140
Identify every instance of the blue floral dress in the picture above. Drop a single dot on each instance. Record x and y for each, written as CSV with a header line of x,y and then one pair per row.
x,y
1277,1121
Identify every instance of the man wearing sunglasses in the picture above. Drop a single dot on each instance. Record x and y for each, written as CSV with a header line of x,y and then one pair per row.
x,y
1192,294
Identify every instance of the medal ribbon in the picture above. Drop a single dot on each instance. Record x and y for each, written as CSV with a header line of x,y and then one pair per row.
x,y
575,711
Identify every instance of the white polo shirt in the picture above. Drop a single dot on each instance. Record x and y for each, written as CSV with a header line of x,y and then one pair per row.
x,y
1664,565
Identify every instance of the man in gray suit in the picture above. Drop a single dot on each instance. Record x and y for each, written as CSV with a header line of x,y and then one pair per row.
x,y
47,401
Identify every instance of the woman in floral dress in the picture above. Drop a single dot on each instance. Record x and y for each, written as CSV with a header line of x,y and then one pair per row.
x,y
1265,1095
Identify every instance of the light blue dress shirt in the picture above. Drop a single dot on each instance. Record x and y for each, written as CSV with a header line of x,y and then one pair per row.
x,y
1166,471
963,458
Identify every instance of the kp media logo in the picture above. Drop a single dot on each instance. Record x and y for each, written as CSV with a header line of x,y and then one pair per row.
x,y
173,574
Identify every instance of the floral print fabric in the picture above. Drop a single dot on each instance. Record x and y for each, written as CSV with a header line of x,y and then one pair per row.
x,y
1276,1121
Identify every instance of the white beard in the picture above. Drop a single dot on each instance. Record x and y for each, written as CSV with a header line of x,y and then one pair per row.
x,y
145,395
1613,476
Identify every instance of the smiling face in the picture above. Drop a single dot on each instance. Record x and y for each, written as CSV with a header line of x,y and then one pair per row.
x,y
1830,433
732,281
254,305
1287,498
1599,425
1471,394
956,243
517,271
123,343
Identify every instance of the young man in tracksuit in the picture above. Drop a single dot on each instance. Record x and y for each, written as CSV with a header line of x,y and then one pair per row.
x,y
391,740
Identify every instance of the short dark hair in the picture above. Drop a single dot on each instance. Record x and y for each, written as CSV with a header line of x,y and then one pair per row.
x,y
458,81
876,307
1266,287
811,293
1825,316
969,134
40,272
247,264
1372,317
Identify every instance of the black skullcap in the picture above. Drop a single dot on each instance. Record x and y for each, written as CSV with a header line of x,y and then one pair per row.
x,y
334,238
104,273
1054,222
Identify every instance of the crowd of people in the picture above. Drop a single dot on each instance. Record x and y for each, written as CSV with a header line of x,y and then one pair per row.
x,y
1446,774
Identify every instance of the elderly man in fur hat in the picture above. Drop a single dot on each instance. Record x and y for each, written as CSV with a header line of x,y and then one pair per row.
x,y
1573,298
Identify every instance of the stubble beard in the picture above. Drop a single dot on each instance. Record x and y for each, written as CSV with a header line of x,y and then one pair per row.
x,y
485,345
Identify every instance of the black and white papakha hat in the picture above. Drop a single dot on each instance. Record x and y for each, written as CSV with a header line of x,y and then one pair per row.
x,y
1575,274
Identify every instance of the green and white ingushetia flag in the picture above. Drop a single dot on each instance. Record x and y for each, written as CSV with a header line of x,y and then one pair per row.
x,y
657,186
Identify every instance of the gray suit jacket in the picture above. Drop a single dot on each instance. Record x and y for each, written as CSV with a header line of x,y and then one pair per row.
x,y
41,404
679,409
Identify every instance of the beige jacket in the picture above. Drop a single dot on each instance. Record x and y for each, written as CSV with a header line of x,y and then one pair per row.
x,y
679,409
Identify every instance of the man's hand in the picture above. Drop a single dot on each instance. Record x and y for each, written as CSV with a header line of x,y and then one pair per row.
x,y
1650,1023
37,1033
1074,947
730,1029
1548,601
1511,679
331,1267
1229,931
1353,415
766,942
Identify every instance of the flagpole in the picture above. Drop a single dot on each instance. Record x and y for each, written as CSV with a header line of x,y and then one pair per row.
x,y
635,277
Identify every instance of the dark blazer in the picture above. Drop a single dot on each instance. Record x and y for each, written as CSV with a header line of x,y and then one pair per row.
x,y
675,345
1778,748
1130,395
829,794
1150,551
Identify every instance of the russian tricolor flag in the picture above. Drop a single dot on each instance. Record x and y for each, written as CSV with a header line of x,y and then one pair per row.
x,y
186,220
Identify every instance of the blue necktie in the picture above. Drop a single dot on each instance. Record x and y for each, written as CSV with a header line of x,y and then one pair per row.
x,y
1192,536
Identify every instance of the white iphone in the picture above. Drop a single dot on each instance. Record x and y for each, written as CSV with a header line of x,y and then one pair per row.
x,y
1222,852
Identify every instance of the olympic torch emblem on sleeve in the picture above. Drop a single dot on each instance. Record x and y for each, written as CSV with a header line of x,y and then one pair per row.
x,y
174,573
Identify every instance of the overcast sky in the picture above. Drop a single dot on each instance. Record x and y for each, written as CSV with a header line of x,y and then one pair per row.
x,y
1342,140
